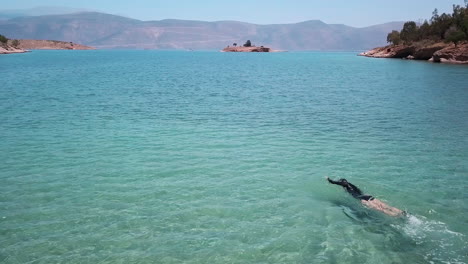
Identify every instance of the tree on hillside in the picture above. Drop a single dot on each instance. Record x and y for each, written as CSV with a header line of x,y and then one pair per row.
x,y
454,35
234,44
450,27
3,39
409,33
435,16
442,25
394,37
424,31
460,17
15,43
248,44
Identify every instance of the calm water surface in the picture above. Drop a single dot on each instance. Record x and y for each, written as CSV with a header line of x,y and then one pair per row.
x,y
208,157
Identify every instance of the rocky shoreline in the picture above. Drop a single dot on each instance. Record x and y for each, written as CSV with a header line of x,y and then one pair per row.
x,y
435,52
32,44
5,49
25,45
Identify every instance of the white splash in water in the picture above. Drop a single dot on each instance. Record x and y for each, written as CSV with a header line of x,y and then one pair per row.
x,y
420,226
443,244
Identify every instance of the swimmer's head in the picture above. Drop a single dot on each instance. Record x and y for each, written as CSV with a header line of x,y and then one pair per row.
x,y
343,181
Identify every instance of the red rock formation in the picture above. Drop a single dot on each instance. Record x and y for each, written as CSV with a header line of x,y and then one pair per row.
x,y
425,53
438,52
452,54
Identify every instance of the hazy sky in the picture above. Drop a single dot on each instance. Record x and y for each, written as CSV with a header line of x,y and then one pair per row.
x,y
350,12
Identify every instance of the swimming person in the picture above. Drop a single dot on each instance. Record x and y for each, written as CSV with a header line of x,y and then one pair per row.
x,y
367,200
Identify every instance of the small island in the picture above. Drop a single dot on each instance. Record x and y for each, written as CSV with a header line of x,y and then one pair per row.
x,y
9,46
247,47
442,39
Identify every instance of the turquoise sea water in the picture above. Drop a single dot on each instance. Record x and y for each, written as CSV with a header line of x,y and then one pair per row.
x,y
208,157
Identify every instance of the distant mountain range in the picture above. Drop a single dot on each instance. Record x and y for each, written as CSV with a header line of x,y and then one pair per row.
x,y
110,31
39,11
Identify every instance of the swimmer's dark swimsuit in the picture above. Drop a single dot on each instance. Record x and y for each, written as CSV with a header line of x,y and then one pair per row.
x,y
366,197
352,189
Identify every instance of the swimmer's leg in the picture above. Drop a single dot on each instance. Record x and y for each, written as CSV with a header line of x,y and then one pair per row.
x,y
376,204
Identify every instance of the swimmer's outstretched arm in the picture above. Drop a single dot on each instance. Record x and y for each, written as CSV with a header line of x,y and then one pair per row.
x,y
334,182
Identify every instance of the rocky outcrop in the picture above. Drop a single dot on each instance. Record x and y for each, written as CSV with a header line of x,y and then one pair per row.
x,y
436,52
425,53
247,49
452,54
398,51
380,52
403,52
